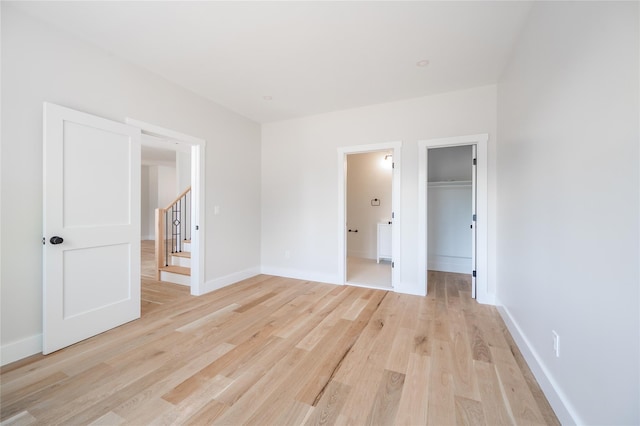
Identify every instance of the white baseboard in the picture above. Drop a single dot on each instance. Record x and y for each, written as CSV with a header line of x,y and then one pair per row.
x,y
459,265
233,278
15,351
561,406
486,299
301,275
410,288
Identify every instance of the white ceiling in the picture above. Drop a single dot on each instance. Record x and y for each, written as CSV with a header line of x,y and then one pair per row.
x,y
310,57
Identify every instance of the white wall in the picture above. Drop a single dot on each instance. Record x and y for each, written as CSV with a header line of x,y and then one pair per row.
x,y
159,188
39,64
449,236
183,170
167,186
568,205
369,176
300,176
147,221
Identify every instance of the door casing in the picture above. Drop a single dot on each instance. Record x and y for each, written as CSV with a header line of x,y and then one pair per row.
x,y
197,148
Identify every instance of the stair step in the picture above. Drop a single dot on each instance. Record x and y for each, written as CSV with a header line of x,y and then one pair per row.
x,y
186,254
182,270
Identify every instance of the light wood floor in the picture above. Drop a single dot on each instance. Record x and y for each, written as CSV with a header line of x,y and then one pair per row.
x,y
278,351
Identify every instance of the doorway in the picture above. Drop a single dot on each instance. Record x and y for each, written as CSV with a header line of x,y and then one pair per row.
x,y
476,224
369,178
451,210
165,173
160,139
369,223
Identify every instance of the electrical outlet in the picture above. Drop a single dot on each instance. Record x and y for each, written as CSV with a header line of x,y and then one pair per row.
x,y
556,343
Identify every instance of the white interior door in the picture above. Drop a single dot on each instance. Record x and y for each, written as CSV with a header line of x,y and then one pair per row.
x,y
91,226
474,184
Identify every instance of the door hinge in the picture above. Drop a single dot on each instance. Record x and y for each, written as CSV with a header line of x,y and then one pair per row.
x,y
393,215
474,217
475,163
44,241
473,274
197,227
393,165
393,265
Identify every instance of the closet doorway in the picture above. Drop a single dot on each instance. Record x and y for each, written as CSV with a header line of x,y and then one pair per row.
x,y
451,209
474,227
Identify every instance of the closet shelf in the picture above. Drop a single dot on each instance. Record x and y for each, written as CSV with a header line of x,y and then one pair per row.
x,y
449,183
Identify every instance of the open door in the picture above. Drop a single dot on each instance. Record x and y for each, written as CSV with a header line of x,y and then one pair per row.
x,y
91,229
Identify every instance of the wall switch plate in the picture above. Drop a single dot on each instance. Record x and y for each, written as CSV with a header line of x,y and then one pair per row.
x,y
556,343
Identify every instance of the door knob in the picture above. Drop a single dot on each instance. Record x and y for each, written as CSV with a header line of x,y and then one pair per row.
x,y
56,240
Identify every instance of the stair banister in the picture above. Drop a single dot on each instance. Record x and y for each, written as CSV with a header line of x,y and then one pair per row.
x,y
172,227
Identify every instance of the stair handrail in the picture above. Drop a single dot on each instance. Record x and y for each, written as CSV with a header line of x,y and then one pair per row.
x,y
177,199
161,243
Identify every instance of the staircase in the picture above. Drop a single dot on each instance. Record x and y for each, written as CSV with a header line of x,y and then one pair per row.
x,y
173,243
178,269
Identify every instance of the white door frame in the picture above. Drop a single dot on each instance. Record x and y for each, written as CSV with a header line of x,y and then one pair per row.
x,y
197,188
482,263
395,206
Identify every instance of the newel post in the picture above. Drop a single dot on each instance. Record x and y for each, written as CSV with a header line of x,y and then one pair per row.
x,y
160,241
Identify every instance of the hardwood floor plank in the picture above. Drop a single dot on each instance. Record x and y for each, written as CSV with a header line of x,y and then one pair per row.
x,y
441,410
412,408
295,413
206,321
494,406
17,390
398,359
327,410
207,414
144,396
22,418
108,419
464,377
194,403
542,403
45,400
274,350
323,366
386,401
144,409
469,412
267,391
523,406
